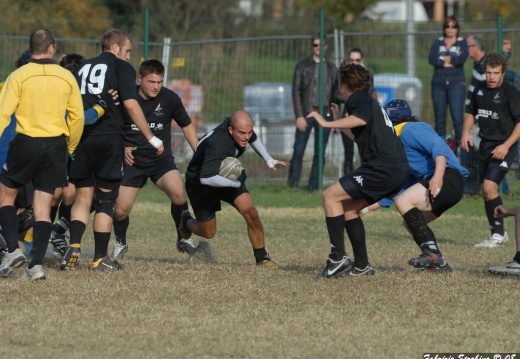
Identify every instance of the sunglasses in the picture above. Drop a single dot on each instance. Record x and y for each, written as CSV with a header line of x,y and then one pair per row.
x,y
315,45
451,26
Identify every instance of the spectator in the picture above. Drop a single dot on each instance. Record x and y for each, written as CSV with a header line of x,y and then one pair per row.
x,y
447,56
305,95
497,105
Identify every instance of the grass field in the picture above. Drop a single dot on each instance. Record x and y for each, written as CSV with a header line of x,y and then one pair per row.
x,y
168,305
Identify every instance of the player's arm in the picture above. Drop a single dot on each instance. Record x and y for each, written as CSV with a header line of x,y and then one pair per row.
x,y
466,141
137,115
76,117
259,148
190,133
350,121
220,181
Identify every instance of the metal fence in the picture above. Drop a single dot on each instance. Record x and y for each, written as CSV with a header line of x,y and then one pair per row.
x,y
215,77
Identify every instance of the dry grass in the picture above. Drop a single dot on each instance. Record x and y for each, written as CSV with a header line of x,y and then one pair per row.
x,y
168,305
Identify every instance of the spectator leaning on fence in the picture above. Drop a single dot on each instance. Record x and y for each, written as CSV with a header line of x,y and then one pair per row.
x,y
447,56
305,96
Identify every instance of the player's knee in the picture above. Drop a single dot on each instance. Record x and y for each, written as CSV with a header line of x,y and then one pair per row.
x,y
105,202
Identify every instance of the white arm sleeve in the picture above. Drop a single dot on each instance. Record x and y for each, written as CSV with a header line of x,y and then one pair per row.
x,y
219,181
259,148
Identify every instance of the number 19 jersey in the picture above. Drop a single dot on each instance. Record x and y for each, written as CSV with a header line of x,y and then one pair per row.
x,y
99,75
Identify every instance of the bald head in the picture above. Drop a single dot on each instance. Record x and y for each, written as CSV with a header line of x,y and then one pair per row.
x,y
241,127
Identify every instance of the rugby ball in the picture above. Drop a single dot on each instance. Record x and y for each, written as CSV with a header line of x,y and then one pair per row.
x,y
231,168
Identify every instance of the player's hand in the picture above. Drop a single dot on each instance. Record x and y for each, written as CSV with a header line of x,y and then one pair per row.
x,y
272,163
466,142
500,152
158,144
319,118
160,150
129,157
506,46
301,124
501,212
435,186
108,100
242,178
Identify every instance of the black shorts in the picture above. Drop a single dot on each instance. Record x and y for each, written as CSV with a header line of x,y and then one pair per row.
x,y
138,174
25,196
486,161
375,180
42,160
205,200
451,193
98,157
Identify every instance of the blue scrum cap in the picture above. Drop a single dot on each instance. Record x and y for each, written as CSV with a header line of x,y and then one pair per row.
x,y
397,110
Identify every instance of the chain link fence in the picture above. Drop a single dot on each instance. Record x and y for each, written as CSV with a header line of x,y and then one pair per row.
x,y
252,67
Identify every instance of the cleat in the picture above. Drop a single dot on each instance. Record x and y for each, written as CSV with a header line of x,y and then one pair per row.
x,y
510,268
356,271
335,268
59,241
187,246
35,273
496,240
106,263
183,227
70,259
428,259
119,250
10,261
441,269
267,263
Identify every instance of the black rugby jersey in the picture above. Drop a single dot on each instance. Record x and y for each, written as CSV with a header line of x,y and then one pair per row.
x,y
99,75
496,110
212,148
159,112
377,138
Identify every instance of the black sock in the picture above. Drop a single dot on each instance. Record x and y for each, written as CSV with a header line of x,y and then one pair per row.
x,y
63,223
335,227
517,257
260,254
422,234
9,223
176,211
356,233
54,210
42,233
77,228
101,240
495,224
120,228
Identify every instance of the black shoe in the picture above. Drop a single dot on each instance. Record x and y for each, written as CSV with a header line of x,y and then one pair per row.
x,y
368,270
428,259
187,246
183,227
334,268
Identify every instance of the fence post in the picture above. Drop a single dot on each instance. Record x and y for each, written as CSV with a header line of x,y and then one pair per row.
x,y
320,129
146,32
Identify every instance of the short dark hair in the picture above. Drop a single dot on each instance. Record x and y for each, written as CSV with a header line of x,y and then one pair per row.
x,y
71,61
355,77
111,37
495,60
40,41
151,67
356,49
317,37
